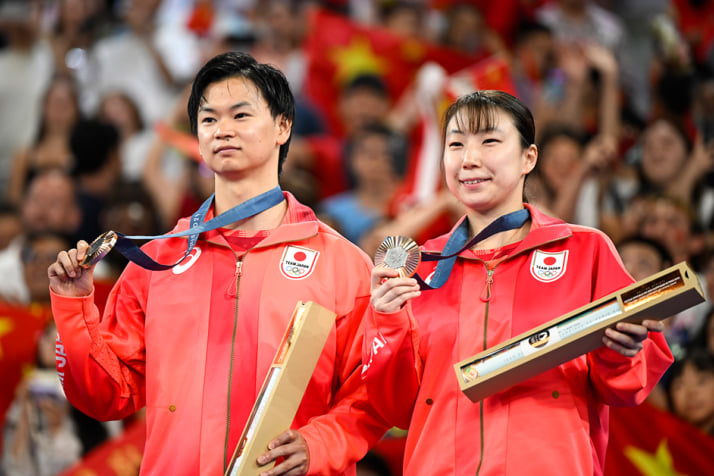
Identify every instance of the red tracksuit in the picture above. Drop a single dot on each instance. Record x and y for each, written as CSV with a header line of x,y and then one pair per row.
x,y
193,344
555,423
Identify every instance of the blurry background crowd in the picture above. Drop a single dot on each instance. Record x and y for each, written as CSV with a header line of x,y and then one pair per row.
x,y
94,136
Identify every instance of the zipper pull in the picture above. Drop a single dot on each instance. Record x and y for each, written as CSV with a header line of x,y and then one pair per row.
x,y
486,294
231,290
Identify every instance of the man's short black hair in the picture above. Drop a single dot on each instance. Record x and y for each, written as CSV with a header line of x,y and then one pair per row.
x,y
270,81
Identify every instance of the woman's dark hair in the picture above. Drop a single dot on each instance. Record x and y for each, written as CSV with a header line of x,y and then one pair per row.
x,y
270,81
477,111
700,358
57,79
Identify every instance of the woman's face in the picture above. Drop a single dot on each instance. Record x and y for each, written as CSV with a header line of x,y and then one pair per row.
x,y
663,154
486,170
61,107
559,161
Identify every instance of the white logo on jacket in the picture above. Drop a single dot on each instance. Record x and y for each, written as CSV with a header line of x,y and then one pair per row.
x,y
184,265
298,262
377,343
548,267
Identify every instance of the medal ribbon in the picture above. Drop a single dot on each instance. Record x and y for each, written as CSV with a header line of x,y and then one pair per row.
x,y
247,209
454,246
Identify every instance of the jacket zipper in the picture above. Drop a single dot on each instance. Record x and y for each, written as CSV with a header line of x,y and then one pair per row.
x,y
486,298
238,273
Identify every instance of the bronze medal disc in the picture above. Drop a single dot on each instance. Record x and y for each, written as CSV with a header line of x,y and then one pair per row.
x,y
400,253
99,248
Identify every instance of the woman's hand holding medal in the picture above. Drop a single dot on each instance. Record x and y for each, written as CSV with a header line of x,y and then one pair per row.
x,y
396,260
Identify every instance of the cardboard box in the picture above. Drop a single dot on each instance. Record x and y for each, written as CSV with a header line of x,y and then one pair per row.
x,y
284,386
578,332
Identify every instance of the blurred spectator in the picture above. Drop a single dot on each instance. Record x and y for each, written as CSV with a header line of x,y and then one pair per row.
x,y
49,206
643,257
130,210
376,162
174,175
26,65
403,18
691,389
10,225
581,21
97,170
666,162
40,438
363,101
132,60
704,339
118,109
37,251
572,173
672,223
278,39
466,31
60,112
50,203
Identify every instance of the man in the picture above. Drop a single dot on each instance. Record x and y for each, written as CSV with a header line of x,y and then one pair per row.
x,y
194,343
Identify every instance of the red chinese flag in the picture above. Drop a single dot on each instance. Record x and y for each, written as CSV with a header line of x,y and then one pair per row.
x,y
647,441
489,73
20,329
338,50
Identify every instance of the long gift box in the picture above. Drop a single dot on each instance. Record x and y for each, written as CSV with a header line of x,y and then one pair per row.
x,y
578,332
284,386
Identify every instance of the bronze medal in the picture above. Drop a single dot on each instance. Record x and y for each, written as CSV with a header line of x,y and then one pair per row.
x,y
99,248
400,253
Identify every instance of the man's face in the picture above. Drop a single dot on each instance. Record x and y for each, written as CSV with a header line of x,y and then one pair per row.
x,y
50,205
237,135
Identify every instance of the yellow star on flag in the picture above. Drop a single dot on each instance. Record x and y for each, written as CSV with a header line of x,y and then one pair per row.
x,y
657,464
5,328
357,58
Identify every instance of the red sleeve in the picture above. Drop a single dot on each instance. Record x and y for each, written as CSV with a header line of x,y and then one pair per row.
x,y
343,435
621,380
392,369
625,381
101,360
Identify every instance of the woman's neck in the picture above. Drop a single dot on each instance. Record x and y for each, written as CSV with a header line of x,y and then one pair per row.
x,y
478,222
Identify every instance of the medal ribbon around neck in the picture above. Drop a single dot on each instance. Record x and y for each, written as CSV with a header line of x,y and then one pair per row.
x,y
124,244
407,252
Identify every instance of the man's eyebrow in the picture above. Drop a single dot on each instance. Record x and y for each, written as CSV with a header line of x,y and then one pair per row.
x,y
205,108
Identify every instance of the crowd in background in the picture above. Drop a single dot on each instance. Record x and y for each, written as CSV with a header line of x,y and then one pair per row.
x,y
94,137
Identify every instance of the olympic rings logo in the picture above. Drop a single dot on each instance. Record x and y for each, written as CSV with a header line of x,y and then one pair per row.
x,y
548,273
294,270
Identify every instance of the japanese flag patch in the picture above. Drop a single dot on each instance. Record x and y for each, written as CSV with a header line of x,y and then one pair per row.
x,y
298,262
548,267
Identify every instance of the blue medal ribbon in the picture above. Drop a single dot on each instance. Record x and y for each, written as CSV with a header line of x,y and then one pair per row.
x,y
247,209
455,245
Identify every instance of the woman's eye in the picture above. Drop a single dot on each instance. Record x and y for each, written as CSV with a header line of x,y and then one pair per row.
x,y
207,120
241,115
490,140
455,144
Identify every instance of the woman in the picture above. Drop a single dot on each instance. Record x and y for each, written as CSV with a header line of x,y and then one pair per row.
x,y
51,149
553,423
